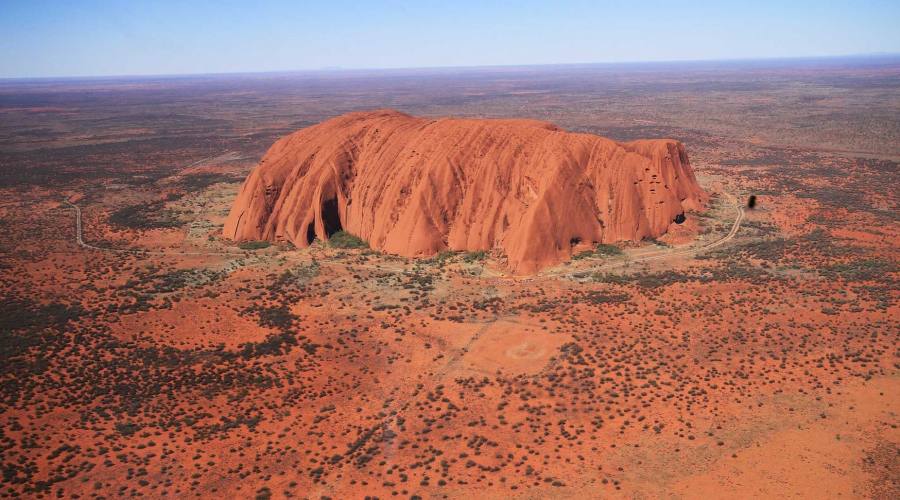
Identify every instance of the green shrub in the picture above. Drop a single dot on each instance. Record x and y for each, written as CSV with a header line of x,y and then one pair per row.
x,y
861,270
439,258
474,256
276,317
607,250
202,180
583,255
127,428
601,250
150,215
253,245
343,239
610,278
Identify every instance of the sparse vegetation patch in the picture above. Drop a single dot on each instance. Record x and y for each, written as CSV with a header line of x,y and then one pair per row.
x,y
149,215
345,240
254,245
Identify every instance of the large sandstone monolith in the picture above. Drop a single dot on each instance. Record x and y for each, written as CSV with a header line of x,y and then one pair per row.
x,y
415,186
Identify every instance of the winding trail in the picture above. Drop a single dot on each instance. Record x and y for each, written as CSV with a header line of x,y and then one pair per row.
x,y
653,254
551,274
79,238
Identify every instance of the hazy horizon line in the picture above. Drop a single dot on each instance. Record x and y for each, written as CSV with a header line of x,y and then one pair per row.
x,y
340,69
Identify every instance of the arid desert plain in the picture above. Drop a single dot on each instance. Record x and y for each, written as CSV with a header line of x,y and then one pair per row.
x,y
746,352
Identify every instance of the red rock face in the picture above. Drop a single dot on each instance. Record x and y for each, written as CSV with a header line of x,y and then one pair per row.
x,y
414,186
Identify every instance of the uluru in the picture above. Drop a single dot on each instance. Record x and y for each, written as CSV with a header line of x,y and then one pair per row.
x,y
525,189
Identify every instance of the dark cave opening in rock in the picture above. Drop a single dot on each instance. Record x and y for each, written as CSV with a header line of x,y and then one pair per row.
x,y
310,232
680,218
330,217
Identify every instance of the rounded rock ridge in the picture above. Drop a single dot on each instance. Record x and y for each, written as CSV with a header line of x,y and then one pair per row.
x,y
416,186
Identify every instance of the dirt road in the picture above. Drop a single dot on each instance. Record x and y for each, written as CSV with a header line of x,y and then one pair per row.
x,y
556,273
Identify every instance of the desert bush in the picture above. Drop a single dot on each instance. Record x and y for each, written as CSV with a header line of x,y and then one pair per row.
x,y
183,278
862,270
601,250
275,344
604,249
127,428
150,215
276,317
294,278
343,239
202,180
441,257
598,297
609,278
253,245
474,256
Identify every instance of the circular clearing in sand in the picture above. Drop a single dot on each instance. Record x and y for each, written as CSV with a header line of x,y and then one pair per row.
x,y
526,350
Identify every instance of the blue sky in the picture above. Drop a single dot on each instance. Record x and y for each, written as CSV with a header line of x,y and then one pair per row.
x,y
134,37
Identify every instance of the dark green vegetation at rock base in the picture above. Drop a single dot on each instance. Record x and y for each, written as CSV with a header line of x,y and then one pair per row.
x,y
254,245
601,250
448,256
343,239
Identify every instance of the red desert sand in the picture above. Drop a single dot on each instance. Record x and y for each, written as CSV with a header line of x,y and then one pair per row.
x,y
415,186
